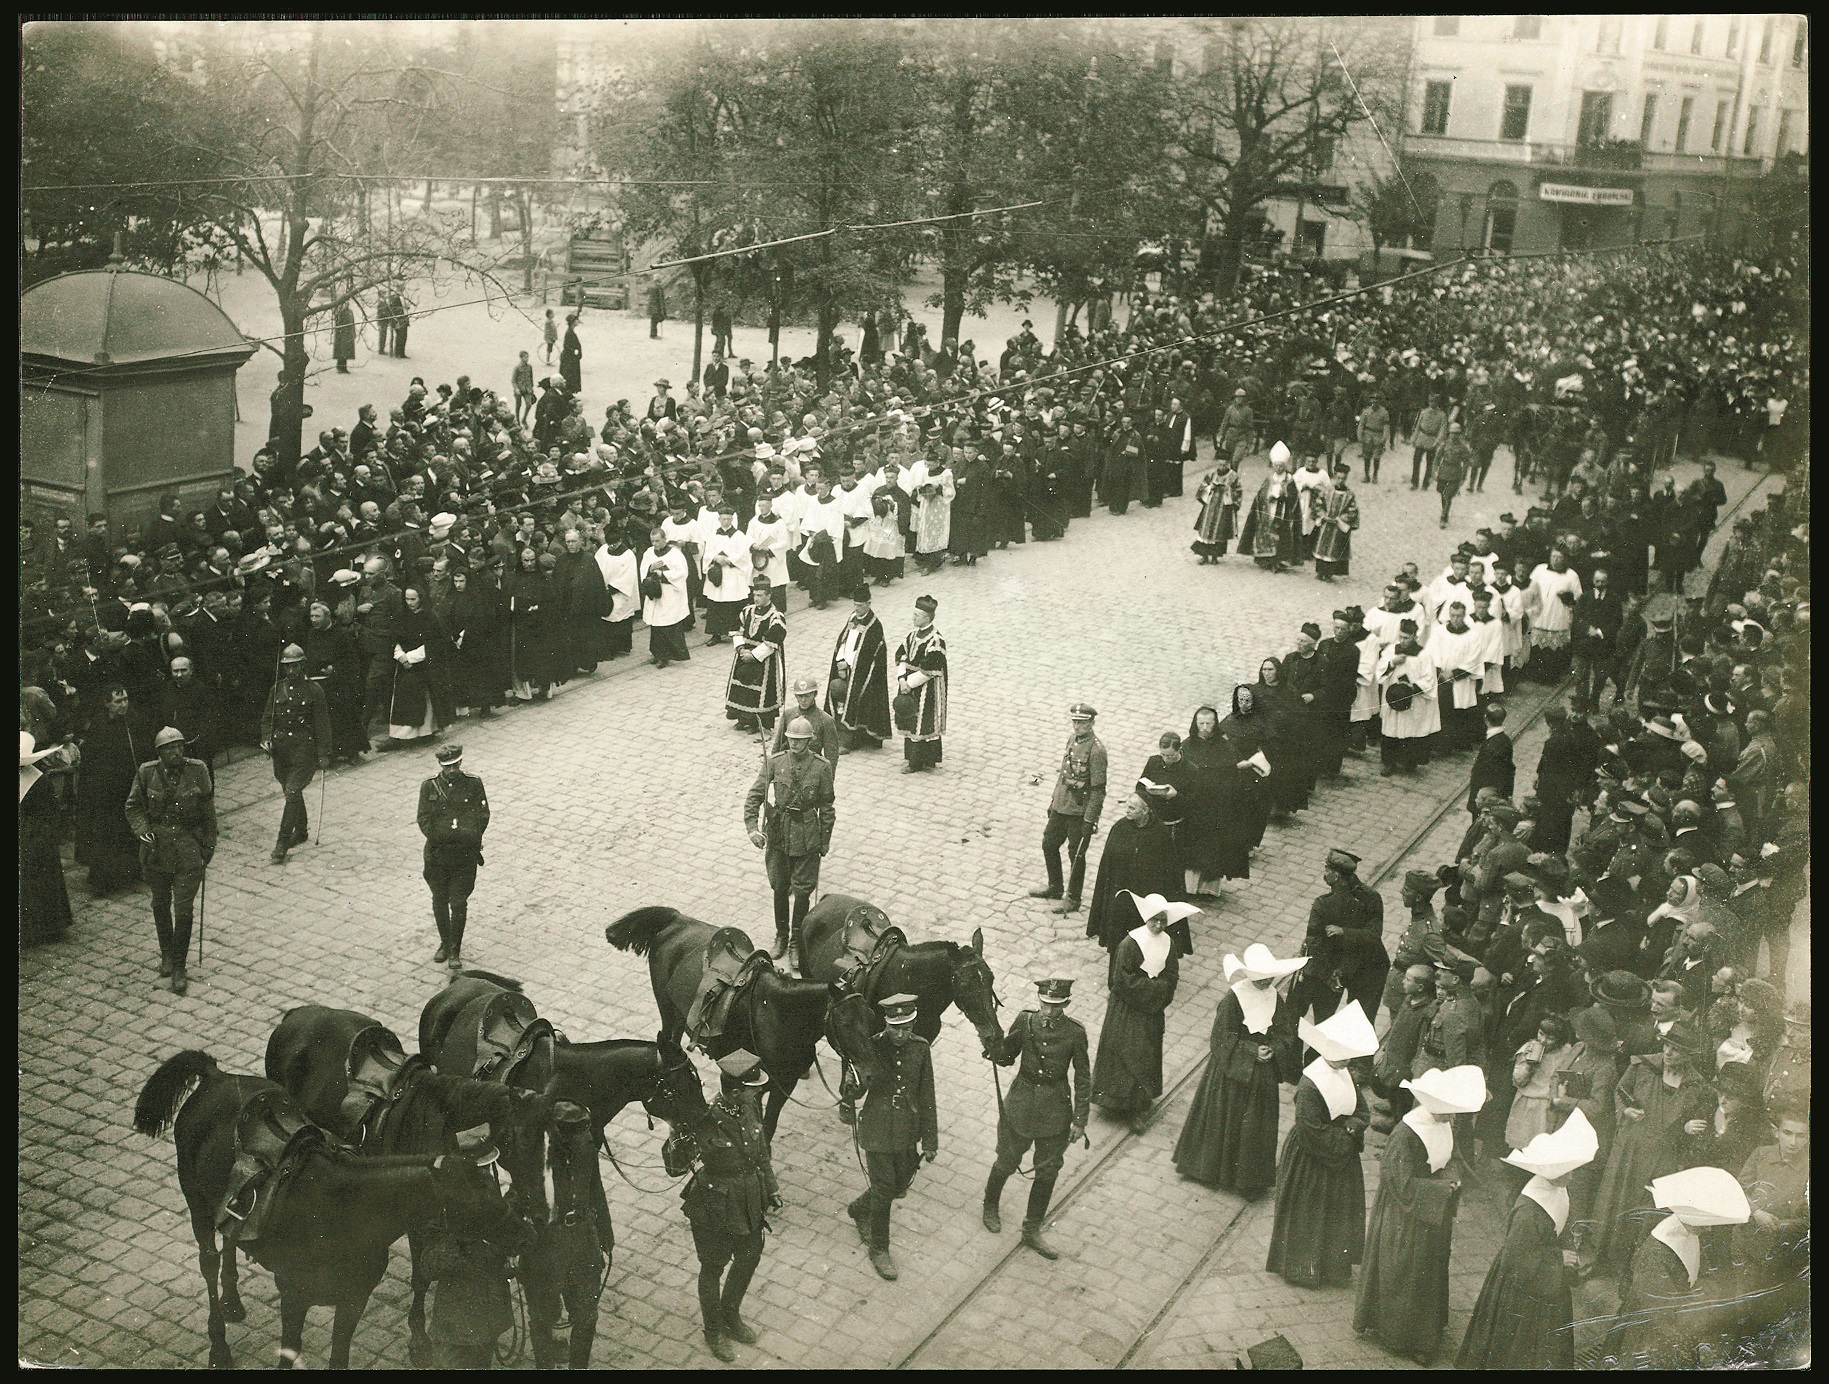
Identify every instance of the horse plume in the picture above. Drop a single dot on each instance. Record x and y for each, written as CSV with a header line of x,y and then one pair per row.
x,y
493,979
166,1091
637,932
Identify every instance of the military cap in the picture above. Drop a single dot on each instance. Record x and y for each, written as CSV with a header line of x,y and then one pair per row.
x,y
743,1066
449,754
171,735
805,685
292,654
1519,880
1343,860
900,1009
800,729
1421,882
1081,711
1054,991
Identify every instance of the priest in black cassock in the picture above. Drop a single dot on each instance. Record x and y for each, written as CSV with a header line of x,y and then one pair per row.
x,y
1403,1280
1319,1231
1524,1319
1229,1140
1140,857
857,681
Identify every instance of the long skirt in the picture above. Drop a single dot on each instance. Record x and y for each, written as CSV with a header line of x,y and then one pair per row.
x,y
922,754
1319,1231
410,713
44,902
668,642
753,694
1229,1140
1127,1072
721,616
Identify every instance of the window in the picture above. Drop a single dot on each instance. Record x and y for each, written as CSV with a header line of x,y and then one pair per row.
x,y
1527,26
1752,130
1607,41
1766,36
1648,121
1447,25
1684,112
1695,38
1321,154
1714,140
1596,117
1797,43
1313,237
1733,38
1515,122
1782,145
1501,218
1436,96
1662,36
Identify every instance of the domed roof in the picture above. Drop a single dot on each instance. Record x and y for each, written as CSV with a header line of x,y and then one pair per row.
x,y
117,318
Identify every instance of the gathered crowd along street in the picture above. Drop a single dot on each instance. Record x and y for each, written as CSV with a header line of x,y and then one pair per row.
x,y
1414,971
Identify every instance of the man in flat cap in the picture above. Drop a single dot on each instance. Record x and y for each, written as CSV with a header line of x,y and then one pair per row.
x,y
295,731
897,1128
171,808
1042,1109
1073,811
796,831
453,815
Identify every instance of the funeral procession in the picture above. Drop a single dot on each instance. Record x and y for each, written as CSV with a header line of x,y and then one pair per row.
x,y
714,693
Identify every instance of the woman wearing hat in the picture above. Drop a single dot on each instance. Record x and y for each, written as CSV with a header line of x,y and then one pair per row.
x,y
1524,1319
1666,1111
1145,971
1663,1307
1403,1283
1319,1231
1229,1140
44,902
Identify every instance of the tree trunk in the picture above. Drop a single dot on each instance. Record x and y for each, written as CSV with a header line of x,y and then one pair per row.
x,y
495,211
698,318
288,420
426,207
523,210
475,189
1228,257
828,324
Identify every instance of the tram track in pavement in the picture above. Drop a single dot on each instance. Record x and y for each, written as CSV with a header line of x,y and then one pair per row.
x,y
1131,1143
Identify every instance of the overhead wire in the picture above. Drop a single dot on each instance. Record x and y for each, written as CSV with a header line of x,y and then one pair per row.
x,y
969,397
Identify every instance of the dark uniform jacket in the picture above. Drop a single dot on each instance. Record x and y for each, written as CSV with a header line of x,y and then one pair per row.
x,y
177,808
733,1181
1492,768
898,1111
453,815
1040,1103
1080,789
296,718
825,733
1456,1036
799,800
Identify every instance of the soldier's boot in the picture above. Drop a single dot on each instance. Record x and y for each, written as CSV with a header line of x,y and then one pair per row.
x,y
736,1284
165,966
711,1311
880,1207
162,925
180,983
993,1197
802,902
1040,1194
780,949
859,1212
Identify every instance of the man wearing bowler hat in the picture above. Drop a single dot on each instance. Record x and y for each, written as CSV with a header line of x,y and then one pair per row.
x,y
1042,1109
1073,811
453,815
171,808
897,1128
295,731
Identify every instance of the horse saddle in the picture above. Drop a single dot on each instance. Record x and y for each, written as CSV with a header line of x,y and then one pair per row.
x,y
492,1036
732,962
272,1136
372,1070
870,940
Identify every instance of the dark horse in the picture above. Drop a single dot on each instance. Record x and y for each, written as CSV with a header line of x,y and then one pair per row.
x,y
326,1240
321,1056
780,1019
936,973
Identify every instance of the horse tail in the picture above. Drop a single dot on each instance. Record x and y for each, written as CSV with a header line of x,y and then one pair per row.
x,y
637,932
493,979
167,1090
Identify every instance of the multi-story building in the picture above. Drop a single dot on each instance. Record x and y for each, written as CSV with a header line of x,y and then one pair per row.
x,y
1542,132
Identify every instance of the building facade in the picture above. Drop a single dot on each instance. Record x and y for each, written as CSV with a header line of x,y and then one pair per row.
x,y
1546,132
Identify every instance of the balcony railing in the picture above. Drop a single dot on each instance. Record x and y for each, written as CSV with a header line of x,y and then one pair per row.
x,y
1623,158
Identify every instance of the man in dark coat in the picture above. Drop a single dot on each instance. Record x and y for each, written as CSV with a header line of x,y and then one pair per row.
x,y
343,337
1492,766
1344,942
898,1126
579,603
171,808
191,707
112,751
571,358
1042,1109
295,731
857,680
453,815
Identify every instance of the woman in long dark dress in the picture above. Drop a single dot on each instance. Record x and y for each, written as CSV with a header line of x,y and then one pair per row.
x,y
479,639
113,750
1524,1319
1167,783
1139,856
1403,1282
1664,1315
1229,1140
1319,1231
414,709
1200,844
333,661
44,902
1145,970
530,646
1280,742
1244,803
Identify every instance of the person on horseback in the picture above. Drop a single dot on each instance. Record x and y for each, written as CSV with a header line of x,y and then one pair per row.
x,y
898,1127
796,830
1041,1109
728,1200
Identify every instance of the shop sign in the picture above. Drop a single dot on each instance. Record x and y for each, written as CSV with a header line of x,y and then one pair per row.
x,y
1587,196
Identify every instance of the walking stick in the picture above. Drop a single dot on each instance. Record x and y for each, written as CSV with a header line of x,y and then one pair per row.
x,y
323,779
203,898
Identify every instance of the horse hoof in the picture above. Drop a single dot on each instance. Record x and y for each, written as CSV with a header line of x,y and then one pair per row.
x,y
233,1312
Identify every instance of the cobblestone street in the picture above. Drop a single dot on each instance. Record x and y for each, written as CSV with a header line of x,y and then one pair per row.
x,y
626,789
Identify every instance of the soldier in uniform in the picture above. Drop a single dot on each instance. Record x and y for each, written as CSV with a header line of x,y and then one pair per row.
x,y
1041,1109
1073,812
172,809
295,731
827,742
727,1202
796,830
453,815
897,1128
1455,1036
